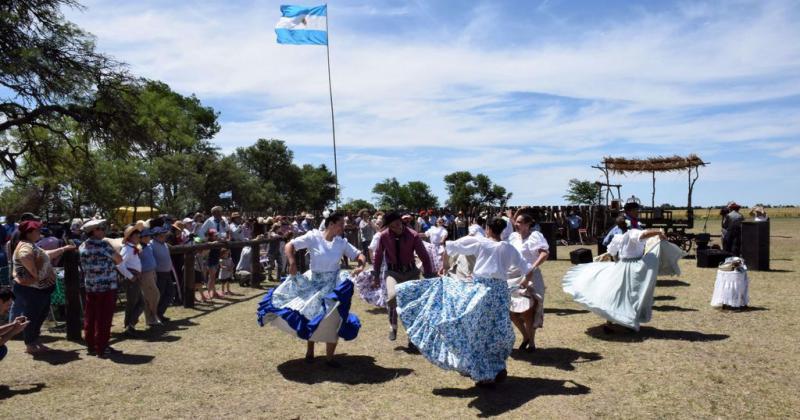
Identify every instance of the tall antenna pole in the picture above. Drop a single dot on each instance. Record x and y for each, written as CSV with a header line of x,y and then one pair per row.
x,y
333,123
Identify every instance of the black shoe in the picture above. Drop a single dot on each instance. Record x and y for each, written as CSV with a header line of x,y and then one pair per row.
x,y
412,348
130,331
607,329
531,348
91,352
164,319
524,345
501,376
333,364
392,335
485,384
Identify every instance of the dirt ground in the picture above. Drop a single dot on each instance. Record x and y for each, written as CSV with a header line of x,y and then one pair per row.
x,y
691,361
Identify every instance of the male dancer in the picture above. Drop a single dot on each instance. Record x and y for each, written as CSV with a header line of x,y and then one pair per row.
x,y
397,245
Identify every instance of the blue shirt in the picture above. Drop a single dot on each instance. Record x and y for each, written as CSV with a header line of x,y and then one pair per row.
x,y
148,258
163,260
574,221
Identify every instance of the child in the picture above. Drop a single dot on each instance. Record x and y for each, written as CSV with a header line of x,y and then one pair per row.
x,y
226,271
14,327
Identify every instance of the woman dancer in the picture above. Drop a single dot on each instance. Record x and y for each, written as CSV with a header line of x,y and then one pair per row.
x,y
316,308
622,291
527,298
371,285
437,235
465,326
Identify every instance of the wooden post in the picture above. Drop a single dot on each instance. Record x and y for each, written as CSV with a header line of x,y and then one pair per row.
x,y
653,197
188,279
72,292
255,265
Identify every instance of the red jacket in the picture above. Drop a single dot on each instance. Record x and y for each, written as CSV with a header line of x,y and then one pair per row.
x,y
410,242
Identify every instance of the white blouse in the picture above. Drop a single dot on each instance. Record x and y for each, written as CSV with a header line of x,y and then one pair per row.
x,y
628,245
325,256
437,235
130,259
492,259
529,248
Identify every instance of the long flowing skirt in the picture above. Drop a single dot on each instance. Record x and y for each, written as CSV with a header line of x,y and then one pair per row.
x,y
372,290
523,299
622,292
313,307
458,325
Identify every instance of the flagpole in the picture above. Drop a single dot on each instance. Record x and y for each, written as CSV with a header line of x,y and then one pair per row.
x,y
333,123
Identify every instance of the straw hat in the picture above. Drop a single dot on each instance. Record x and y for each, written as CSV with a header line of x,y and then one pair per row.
x,y
130,230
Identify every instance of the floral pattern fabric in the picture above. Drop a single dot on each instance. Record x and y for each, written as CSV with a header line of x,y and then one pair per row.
x,y
372,290
458,325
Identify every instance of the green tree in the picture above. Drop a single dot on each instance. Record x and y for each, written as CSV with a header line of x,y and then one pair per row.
x,y
581,192
54,80
414,195
318,187
467,191
354,205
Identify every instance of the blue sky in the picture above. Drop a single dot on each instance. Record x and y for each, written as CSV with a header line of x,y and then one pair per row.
x,y
531,93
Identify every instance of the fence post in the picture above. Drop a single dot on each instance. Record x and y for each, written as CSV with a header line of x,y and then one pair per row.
x,y
72,294
255,263
188,279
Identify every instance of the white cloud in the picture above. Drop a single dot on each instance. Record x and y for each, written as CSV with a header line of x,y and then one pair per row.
x,y
657,81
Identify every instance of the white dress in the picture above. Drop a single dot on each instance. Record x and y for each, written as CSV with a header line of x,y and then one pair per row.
x,y
732,288
437,236
522,299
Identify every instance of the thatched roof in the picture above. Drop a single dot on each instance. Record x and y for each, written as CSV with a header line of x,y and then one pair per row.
x,y
653,164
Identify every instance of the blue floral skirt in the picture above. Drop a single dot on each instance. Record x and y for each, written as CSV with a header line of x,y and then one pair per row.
x,y
312,306
458,325
372,290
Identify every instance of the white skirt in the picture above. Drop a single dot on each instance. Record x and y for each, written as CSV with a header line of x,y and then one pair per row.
x,y
731,289
522,299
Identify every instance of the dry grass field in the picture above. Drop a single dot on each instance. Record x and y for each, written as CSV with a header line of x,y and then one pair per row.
x,y
691,361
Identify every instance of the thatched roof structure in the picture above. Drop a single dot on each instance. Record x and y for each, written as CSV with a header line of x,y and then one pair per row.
x,y
654,164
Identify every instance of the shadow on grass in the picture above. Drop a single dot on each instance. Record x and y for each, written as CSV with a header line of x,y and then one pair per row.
x,y
664,298
647,333
131,359
6,392
565,311
557,357
376,311
355,370
672,308
57,357
671,283
772,270
512,394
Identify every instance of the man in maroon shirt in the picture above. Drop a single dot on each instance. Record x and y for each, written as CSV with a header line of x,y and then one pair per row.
x,y
397,245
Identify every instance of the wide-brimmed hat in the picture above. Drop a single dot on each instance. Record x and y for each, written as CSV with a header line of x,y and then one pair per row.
x,y
28,216
235,215
147,232
734,206
130,230
179,225
93,224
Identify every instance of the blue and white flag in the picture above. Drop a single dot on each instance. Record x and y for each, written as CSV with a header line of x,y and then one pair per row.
x,y
226,194
303,25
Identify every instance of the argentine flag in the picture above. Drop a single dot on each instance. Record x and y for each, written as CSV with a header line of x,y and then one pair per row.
x,y
303,25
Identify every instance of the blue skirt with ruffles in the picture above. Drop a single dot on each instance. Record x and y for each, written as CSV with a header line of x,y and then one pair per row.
x,y
459,325
302,303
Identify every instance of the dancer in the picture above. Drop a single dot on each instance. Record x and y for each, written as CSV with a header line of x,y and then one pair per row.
x,y
527,298
622,291
465,326
397,246
373,289
316,308
437,235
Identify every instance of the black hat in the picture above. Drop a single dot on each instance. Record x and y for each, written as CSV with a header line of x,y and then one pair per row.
x,y
631,205
390,217
28,216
